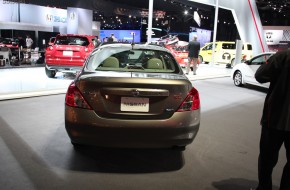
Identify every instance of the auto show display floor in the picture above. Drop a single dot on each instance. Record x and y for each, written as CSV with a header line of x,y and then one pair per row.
x,y
36,152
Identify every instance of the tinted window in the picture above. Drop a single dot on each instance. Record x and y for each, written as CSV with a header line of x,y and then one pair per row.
x,y
208,47
72,40
132,60
228,46
249,47
260,60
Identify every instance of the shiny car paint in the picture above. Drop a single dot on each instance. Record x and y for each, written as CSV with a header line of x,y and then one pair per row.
x,y
180,54
244,73
133,105
68,56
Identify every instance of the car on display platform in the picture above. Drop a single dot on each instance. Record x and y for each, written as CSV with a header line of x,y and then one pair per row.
x,y
11,43
225,52
68,53
132,96
244,73
179,49
180,52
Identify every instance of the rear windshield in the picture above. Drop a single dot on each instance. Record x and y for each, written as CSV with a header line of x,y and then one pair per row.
x,y
72,40
132,60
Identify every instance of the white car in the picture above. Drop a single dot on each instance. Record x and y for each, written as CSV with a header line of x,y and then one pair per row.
x,y
244,73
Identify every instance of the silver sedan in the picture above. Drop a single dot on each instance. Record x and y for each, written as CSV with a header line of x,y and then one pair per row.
x,y
132,95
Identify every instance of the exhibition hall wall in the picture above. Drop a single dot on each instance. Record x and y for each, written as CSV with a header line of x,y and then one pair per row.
x,y
44,18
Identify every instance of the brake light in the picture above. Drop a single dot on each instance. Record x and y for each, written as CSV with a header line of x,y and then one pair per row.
x,y
191,102
74,98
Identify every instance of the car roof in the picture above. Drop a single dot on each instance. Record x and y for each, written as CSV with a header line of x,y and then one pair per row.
x,y
263,53
134,46
77,35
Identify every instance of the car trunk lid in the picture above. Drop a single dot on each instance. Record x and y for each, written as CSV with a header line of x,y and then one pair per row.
x,y
134,96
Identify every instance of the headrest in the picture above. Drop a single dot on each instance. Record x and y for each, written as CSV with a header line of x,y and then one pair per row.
x,y
154,63
111,62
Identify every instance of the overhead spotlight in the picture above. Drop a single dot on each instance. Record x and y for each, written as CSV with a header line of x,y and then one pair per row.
x,y
130,16
185,12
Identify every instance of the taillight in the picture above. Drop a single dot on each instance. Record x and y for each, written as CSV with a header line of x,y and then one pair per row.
x,y
74,98
191,102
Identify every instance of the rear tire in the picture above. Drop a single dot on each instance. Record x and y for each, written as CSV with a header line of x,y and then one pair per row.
x,y
50,73
238,78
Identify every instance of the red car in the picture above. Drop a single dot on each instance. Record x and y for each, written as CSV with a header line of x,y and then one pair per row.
x,y
9,42
180,53
68,53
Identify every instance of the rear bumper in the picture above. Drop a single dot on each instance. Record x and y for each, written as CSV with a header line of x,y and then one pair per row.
x,y
85,127
63,68
61,64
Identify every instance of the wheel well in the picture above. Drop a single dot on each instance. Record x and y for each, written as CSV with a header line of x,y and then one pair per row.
x,y
200,58
241,74
235,73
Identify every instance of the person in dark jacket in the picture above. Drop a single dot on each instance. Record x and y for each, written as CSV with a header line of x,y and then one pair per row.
x,y
193,51
275,119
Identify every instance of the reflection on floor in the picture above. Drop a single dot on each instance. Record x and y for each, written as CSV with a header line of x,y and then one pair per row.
x,y
27,82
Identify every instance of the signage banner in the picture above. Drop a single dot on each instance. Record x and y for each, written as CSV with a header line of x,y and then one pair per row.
x,y
43,15
273,37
